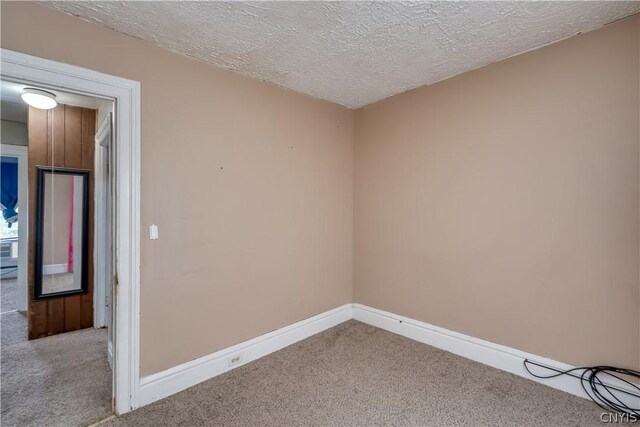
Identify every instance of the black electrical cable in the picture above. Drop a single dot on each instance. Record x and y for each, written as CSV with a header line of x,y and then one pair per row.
x,y
605,395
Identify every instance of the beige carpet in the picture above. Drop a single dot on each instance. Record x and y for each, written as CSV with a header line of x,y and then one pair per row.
x,y
63,380
50,283
8,288
356,374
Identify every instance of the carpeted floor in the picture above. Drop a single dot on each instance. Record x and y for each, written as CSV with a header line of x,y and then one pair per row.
x,y
13,330
50,283
8,289
63,380
355,374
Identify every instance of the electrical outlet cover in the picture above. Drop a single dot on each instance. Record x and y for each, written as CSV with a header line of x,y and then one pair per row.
x,y
235,360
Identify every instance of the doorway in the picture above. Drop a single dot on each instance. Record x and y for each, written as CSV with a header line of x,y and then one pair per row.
x,y
125,95
53,351
14,221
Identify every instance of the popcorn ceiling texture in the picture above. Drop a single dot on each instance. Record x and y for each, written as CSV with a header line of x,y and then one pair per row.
x,y
350,53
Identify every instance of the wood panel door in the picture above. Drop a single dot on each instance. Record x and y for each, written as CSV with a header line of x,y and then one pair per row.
x,y
64,137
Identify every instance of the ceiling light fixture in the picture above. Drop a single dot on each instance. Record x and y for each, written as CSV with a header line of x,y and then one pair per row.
x,y
38,98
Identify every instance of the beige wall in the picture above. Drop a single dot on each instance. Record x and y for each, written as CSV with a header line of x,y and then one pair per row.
x,y
250,184
503,203
13,133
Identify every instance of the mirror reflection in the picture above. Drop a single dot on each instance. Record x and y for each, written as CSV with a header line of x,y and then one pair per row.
x,y
61,227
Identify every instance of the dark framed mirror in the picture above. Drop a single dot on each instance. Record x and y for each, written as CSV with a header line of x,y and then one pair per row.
x,y
62,232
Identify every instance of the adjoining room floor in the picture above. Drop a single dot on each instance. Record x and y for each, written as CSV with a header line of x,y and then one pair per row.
x,y
8,289
355,374
62,380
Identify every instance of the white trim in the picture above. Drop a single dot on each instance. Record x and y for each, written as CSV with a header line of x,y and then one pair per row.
x,y
22,153
77,227
55,268
43,73
102,276
488,353
158,386
174,380
110,354
103,135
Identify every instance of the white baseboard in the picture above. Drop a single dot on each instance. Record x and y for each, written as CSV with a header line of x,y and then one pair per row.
x,y
488,353
55,268
163,384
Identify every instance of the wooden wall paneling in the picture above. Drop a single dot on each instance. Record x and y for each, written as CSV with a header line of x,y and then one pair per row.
x,y
38,126
62,137
56,137
55,157
73,159
73,148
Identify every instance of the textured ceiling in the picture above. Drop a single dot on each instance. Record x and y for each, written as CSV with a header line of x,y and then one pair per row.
x,y
350,53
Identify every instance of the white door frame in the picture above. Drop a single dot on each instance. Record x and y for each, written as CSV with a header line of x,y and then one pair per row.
x,y
125,93
22,154
101,228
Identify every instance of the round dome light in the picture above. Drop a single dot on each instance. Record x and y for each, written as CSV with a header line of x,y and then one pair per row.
x,y
38,98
